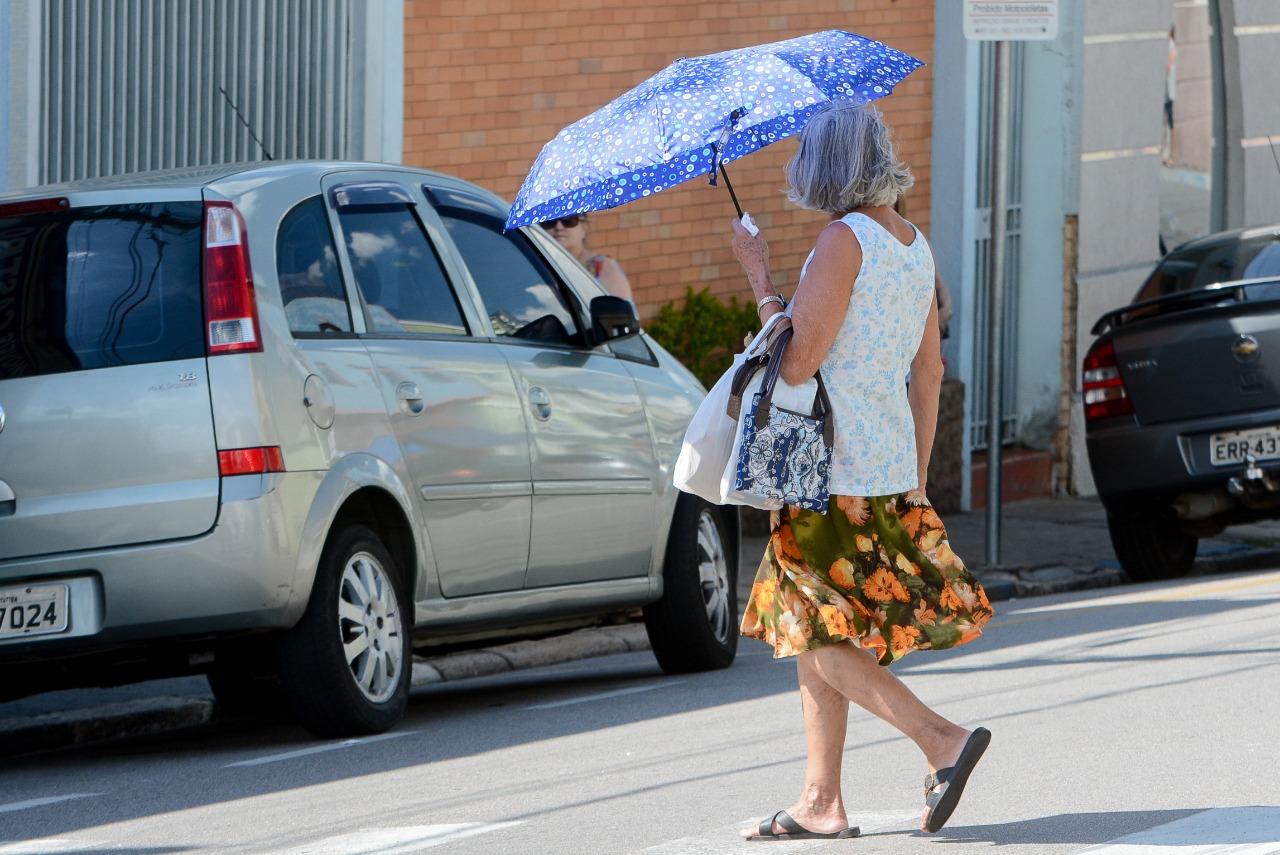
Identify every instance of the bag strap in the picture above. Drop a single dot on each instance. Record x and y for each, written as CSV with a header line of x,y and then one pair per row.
x,y
821,402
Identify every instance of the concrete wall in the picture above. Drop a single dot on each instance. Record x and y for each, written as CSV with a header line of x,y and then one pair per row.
x,y
488,82
1125,49
1257,33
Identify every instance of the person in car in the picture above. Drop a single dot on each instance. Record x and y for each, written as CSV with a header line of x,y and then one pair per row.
x,y
857,588
572,232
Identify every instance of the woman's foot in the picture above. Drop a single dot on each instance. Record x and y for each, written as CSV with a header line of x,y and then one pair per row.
x,y
946,780
824,819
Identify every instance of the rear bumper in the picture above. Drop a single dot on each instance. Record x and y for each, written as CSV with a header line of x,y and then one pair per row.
x,y
1146,463
238,576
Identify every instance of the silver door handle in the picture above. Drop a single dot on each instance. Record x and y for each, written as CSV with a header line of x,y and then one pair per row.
x,y
540,402
411,400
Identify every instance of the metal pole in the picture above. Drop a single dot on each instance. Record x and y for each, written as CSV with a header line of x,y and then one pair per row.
x,y
995,296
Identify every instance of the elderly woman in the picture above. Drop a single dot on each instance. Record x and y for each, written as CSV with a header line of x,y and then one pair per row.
x,y
872,579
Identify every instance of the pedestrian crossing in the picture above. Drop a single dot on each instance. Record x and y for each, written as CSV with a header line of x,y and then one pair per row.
x,y
1217,831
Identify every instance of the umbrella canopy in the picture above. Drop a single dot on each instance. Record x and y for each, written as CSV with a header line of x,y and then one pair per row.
x,y
698,113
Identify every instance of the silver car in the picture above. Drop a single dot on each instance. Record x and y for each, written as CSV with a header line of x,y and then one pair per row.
x,y
277,422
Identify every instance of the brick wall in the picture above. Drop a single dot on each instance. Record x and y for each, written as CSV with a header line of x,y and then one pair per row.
x,y
488,82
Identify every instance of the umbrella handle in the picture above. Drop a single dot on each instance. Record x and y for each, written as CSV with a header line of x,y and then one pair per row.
x,y
729,184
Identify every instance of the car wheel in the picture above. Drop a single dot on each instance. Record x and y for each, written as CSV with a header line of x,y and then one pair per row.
x,y
345,667
1151,544
693,627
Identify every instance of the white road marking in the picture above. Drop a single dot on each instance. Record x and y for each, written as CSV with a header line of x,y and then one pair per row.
x,y
600,696
319,749
1220,831
48,800
398,841
48,846
728,840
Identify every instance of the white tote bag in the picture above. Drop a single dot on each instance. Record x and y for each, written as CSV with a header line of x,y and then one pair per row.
x,y
709,440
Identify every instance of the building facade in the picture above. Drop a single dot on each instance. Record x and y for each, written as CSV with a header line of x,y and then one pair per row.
x,y
489,82
104,87
1100,186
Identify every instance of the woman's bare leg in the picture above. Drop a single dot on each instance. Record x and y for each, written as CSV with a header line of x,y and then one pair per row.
x,y
826,718
854,673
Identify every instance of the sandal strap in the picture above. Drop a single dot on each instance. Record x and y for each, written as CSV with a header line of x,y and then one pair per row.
x,y
933,779
789,825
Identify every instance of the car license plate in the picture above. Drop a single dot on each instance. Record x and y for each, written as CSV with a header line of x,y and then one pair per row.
x,y
1233,447
33,610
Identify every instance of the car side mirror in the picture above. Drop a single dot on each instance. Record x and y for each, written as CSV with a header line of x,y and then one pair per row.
x,y
613,318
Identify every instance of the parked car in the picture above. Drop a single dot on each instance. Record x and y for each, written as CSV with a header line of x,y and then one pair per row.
x,y
1182,401
275,422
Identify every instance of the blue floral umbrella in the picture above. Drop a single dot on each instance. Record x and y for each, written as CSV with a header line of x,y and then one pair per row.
x,y
697,115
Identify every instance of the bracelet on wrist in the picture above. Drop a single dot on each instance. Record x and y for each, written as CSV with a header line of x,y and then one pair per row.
x,y
772,298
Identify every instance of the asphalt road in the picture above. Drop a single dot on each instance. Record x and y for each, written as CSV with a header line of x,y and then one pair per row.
x,y
1135,720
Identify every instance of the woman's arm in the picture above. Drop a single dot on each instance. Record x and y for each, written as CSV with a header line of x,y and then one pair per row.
x,y
821,301
613,280
926,381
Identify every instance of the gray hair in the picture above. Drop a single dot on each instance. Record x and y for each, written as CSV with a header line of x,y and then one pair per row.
x,y
845,161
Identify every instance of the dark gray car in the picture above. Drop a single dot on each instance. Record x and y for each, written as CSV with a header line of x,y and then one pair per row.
x,y
274,421
1182,401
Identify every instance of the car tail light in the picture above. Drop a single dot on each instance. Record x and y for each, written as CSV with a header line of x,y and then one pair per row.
x,y
1104,393
230,308
250,461
34,206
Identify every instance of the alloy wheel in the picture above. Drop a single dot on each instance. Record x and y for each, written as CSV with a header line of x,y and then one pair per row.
x,y
370,627
713,574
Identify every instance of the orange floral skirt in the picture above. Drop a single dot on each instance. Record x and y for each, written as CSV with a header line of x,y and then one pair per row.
x,y
876,571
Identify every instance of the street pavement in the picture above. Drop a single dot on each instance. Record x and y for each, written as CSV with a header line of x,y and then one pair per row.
x,y
1049,546
1139,719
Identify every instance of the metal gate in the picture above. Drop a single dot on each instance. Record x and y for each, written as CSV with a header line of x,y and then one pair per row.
x,y
131,85
979,436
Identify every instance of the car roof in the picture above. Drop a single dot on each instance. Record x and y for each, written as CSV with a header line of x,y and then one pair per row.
x,y
245,175
1200,245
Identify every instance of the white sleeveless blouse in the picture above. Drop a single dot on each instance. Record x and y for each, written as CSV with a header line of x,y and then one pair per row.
x,y
866,369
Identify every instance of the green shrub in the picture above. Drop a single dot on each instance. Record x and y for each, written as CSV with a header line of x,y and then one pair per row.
x,y
704,333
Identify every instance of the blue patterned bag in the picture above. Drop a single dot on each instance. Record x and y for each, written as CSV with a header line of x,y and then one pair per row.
x,y
785,455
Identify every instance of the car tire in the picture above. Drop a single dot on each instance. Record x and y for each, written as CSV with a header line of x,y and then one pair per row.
x,y
694,626
1151,544
345,667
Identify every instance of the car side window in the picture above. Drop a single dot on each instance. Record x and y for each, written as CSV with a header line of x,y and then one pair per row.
x,y
315,302
404,286
521,294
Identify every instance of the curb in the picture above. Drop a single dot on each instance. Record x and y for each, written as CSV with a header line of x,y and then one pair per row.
x,y
142,717
167,714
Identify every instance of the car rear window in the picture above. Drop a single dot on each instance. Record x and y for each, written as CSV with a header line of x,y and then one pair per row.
x,y
1255,257
97,287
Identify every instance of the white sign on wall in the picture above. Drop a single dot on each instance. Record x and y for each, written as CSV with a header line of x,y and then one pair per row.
x,y
1010,20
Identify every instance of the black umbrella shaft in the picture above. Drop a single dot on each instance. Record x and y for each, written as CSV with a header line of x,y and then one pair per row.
x,y
729,184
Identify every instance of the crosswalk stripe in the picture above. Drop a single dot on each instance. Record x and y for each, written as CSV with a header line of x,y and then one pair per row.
x,y
727,840
398,841
1220,831
319,749
48,800
48,846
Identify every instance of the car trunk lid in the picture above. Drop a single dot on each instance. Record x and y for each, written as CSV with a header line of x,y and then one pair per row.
x,y
108,430
1203,361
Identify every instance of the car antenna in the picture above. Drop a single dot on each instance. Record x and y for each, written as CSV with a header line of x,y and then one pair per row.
x,y
245,122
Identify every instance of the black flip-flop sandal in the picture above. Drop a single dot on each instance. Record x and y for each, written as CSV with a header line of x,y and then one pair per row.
x,y
942,789
793,830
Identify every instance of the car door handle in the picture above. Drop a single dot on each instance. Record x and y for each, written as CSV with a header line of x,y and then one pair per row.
x,y
411,400
540,403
